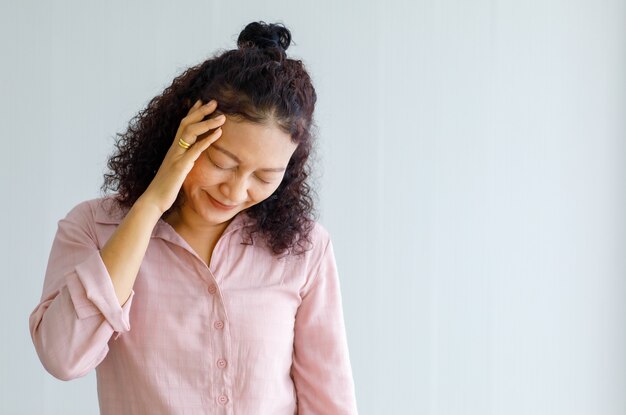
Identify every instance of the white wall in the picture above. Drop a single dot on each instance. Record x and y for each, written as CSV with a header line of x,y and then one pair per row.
x,y
473,159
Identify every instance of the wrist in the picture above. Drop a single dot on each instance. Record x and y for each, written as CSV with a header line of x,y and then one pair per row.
x,y
148,208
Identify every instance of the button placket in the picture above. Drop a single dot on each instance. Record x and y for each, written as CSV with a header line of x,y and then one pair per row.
x,y
220,341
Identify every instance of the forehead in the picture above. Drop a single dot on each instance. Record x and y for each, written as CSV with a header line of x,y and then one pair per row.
x,y
256,143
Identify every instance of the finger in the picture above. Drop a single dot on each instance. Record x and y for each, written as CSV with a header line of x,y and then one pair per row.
x,y
191,133
195,106
178,149
199,113
200,146
204,126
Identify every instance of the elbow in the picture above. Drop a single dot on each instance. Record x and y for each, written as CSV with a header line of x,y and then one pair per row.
x,y
61,366
57,365
60,372
57,357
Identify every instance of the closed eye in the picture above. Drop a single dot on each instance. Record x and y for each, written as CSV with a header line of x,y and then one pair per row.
x,y
262,181
215,164
224,168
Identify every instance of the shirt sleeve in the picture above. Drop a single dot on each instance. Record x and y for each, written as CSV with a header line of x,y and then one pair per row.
x,y
321,367
79,310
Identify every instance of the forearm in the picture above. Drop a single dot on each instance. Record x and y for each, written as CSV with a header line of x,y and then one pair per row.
x,y
124,251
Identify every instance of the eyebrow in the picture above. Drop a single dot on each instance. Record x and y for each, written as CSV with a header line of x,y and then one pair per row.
x,y
234,157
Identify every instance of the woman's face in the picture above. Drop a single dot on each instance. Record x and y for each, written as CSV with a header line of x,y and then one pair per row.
x,y
242,168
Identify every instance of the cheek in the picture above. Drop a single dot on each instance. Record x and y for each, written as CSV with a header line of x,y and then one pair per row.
x,y
263,193
204,175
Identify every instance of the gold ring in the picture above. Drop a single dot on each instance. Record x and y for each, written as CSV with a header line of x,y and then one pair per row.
x,y
183,143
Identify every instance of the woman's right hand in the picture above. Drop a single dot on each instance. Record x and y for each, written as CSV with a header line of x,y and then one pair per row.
x,y
178,162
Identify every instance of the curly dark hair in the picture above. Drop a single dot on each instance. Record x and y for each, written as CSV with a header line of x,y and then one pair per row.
x,y
256,81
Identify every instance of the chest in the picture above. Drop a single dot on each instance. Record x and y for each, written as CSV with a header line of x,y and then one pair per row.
x,y
183,313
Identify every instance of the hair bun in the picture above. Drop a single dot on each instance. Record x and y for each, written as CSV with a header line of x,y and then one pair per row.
x,y
264,35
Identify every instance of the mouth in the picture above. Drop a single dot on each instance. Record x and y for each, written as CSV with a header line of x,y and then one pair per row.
x,y
220,205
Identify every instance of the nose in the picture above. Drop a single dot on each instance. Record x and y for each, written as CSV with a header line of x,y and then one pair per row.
x,y
235,189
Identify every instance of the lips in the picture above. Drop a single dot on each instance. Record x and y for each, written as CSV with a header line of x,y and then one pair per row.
x,y
221,205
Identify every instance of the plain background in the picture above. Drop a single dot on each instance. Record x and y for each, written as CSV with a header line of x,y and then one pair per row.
x,y
471,173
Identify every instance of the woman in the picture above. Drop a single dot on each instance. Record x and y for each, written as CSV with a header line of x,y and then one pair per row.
x,y
204,285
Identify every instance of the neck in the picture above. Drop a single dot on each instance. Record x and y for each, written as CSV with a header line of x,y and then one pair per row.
x,y
201,237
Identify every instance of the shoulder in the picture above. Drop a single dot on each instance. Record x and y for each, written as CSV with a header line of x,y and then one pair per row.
x,y
319,235
316,259
318,240
307,248
97,210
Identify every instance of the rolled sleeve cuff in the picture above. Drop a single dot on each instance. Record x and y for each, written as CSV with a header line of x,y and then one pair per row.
x,y
92,292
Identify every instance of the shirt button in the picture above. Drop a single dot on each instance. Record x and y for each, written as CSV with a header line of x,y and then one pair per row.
x,y
212,289
222,399
219,324
221,363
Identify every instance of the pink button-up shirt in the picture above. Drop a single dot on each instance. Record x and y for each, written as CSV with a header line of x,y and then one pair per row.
x,y
249,334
